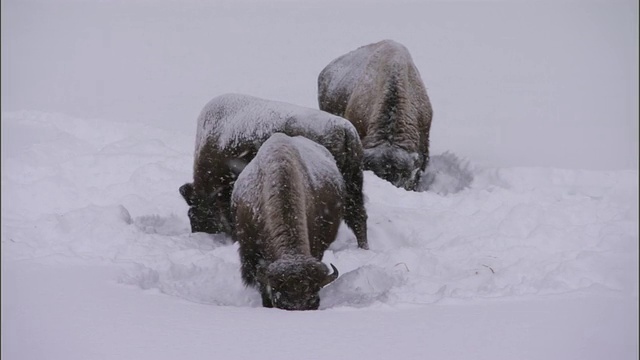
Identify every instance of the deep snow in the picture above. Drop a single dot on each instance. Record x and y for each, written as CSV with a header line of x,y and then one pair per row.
x,y
523,246
91,211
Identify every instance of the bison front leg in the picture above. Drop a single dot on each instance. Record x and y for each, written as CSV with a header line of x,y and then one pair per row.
x,y
266,297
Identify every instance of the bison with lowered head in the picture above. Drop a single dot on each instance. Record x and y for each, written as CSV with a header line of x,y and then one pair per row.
x,y
231,129
378,88
287,205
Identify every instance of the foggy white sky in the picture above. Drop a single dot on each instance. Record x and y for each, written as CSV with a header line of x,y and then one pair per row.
x,y
511,83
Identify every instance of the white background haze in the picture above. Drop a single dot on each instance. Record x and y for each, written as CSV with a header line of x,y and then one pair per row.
x,y
524,246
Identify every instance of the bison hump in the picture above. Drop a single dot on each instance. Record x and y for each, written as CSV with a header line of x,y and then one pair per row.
x,y
311,159
359,66
231,120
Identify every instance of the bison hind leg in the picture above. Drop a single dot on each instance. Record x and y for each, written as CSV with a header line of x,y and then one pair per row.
x,y
355,215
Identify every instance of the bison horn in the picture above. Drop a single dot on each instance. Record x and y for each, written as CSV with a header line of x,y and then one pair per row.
x,y
330,277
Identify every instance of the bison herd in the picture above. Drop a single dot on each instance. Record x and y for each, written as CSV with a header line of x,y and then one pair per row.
x,y
279,178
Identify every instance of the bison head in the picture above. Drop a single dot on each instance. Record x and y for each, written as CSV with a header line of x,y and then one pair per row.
x,y
394,164
294,284
204,215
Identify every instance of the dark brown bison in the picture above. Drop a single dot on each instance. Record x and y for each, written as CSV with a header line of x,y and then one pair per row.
x,y
287,205
231,129
378,88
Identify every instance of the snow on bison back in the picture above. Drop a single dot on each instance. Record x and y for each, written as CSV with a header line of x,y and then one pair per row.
x,y
231,130
378,88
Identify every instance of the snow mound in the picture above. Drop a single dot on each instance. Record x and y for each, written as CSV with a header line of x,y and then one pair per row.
x,y
156,224
361,287
446,174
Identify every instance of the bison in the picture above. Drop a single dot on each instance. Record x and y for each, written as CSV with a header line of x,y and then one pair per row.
x,y
287,205
378,88
231,129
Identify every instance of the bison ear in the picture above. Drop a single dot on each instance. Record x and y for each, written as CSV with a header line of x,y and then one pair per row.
x,y
188,193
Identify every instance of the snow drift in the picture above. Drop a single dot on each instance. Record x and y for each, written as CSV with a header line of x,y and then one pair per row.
x,y
506,233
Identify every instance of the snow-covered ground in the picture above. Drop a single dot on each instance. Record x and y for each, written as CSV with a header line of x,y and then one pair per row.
x,y
523,246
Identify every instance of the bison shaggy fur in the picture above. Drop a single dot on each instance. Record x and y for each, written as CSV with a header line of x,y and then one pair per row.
x,y
379,89
232,128
287,205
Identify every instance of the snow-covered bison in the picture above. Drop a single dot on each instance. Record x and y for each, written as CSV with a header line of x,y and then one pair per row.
x,y
287,205
231,129
378,88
